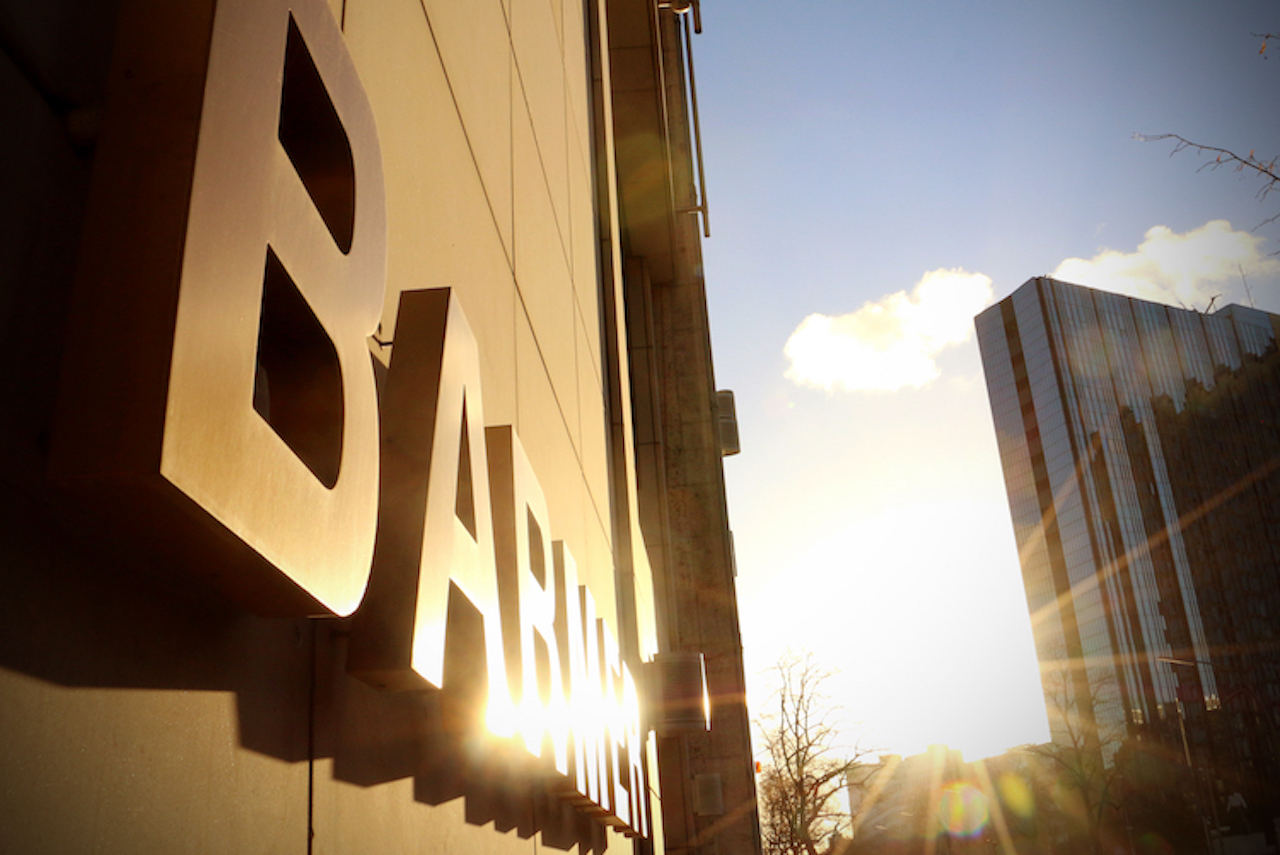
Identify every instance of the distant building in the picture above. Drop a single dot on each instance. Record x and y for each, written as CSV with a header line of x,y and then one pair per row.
x,y
895,803
1141,452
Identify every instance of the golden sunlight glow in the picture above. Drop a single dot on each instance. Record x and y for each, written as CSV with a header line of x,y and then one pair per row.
x,y
501,717
876,629
532,724
602,718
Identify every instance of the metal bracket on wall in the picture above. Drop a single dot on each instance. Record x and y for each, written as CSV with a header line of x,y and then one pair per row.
x,y
682,8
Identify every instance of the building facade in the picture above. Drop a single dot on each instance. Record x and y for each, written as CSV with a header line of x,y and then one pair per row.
x,y
361,466
1142,460
896,804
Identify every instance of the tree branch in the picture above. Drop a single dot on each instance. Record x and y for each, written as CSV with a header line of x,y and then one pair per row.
x,y
1267,169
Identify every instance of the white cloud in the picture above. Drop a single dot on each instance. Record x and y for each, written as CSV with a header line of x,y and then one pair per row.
x,y
1179,269
892,343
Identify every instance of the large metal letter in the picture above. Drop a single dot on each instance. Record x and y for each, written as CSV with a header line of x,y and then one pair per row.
x,y
581,689
614,671
217,388
435,520
526,586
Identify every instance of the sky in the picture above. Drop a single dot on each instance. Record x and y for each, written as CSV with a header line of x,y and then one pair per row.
x,y
878,173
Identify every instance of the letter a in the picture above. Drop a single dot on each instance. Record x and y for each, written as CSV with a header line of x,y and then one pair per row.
x,y
435,521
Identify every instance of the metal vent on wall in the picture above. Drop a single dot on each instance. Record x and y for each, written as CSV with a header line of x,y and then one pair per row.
x,y
727,413
680,681
708,795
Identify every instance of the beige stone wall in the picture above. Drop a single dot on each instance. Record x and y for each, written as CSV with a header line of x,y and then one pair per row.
x,y
142,714
483,115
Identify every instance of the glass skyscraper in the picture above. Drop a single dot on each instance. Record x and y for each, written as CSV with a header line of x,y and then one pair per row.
x,y
1141,456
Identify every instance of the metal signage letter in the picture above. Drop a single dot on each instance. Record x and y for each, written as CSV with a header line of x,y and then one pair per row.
x,y
435,519
217,388
526,588
585,737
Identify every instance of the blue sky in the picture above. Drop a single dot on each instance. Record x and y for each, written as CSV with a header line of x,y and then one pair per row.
x,y
853,148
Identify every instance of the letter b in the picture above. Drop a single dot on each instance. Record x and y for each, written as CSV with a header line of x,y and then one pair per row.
x,y
217,387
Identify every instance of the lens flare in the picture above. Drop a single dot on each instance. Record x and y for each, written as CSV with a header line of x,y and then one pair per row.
x,y
963,810
1016,795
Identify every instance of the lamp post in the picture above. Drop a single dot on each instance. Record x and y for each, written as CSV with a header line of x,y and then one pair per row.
x,y
1186,750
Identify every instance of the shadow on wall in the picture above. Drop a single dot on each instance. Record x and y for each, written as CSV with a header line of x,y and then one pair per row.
x,y
82,611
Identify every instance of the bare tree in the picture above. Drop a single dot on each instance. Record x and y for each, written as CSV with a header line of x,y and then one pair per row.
x,y
799,789
1083,758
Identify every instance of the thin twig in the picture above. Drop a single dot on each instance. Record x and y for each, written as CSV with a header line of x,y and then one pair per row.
x,y
1223,157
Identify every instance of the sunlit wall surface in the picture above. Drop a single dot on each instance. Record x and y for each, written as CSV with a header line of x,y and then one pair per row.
x,y
335,335
1075,379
